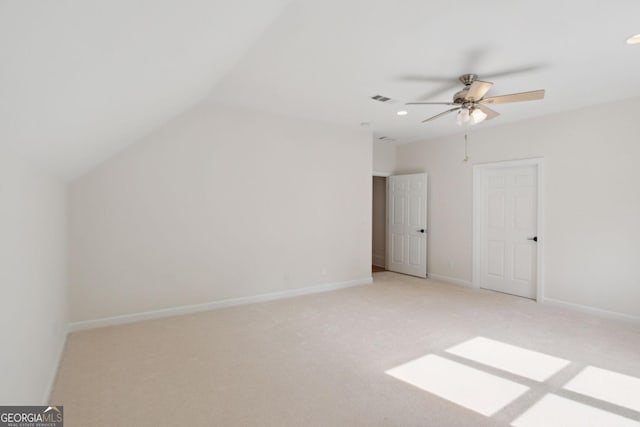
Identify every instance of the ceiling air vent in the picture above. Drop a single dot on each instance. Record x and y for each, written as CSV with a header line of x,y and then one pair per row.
x,y
380,98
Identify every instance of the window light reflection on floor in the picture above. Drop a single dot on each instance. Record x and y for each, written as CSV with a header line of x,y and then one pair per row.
x,y
468,387
520,361
556,411
619,389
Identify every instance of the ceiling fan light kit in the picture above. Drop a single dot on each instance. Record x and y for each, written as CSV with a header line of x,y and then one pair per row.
x,y
463,117
478,115
634,39
471,104
470,116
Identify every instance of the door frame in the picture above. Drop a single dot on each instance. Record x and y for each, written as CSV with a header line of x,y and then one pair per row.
x,y
384,175
386,216
478,216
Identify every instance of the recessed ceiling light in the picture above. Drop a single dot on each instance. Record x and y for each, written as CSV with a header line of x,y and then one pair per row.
x,y
634,39
402,113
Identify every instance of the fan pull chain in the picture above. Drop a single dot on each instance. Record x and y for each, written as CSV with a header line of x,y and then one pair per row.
x,y
466,156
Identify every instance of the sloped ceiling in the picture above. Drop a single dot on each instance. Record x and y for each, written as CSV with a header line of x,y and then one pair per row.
x,y
79,80
324,60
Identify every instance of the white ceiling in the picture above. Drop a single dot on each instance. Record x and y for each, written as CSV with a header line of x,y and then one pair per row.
x,y
79,80
324,59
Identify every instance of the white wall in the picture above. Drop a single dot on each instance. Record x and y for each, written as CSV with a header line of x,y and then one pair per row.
x,y
33,297
592,198
384,157
379,220
220,203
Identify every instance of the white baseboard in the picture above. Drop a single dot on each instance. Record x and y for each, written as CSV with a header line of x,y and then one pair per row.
x,y
52,380
451,280
378,260
591,310
214,305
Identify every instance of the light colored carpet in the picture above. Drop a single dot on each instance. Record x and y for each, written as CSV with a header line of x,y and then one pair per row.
x,y
320,360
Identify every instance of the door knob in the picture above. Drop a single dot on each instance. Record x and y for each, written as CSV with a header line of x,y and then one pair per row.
x,y
422,230
534,238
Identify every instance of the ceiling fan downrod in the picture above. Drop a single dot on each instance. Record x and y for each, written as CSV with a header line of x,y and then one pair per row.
x,y
467,79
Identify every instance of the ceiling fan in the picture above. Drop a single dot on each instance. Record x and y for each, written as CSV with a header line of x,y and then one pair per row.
x,y
471,104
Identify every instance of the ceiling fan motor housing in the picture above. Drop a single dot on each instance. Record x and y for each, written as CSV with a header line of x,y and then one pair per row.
x,y
466,80
459,97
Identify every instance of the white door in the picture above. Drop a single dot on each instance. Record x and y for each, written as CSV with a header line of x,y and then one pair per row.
x,y
407,224
508,229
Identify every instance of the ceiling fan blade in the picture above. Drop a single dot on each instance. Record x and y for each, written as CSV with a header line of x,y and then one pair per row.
x,y
512,71
515,97
441,114
491,114
477,90
430,103
440,90
430,79
446,84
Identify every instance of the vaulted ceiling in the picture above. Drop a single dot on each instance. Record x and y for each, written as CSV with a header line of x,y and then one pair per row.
x,y
80,80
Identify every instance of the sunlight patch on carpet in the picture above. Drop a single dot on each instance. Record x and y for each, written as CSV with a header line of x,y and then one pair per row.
x,y
510,358
468,387
556,411
612,387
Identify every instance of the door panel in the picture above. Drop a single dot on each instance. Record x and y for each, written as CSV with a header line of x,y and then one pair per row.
x,y
397,249
398,209
509,217
496,212
522,261
495,265
407,198
415,250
